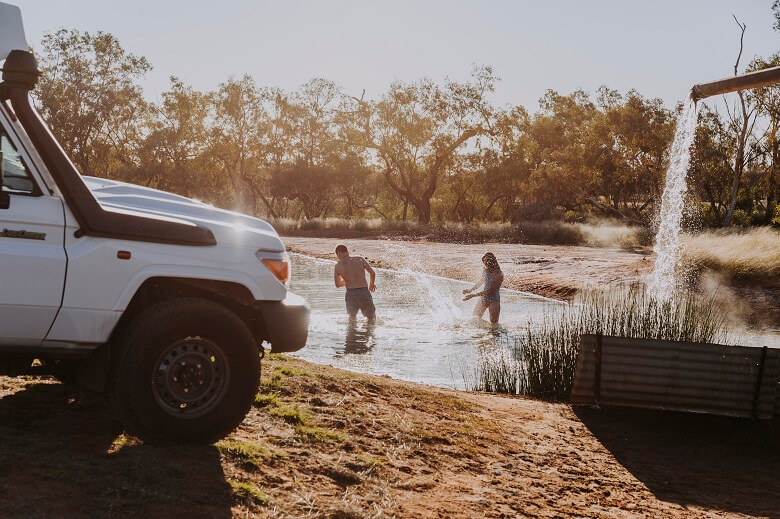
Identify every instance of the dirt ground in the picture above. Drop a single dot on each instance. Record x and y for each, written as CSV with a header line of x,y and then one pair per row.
x,y
322,442
549,270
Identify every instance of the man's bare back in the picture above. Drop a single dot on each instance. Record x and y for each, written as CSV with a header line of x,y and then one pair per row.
x,y
350,272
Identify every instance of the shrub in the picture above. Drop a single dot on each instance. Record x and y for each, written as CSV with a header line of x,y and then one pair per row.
x,y
740,218
549,232
758,217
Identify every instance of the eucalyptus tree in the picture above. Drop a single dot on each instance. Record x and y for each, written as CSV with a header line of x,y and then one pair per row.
x,y
90,96
415,130
768,102
239,141
627,143
173,154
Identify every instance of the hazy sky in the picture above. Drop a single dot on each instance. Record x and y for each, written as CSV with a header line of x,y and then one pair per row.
x,y
659,47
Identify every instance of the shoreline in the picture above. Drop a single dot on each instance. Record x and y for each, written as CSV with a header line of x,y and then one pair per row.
x,y
556,272
551,271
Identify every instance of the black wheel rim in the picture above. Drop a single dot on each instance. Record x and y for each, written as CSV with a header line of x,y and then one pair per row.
x,y
190,378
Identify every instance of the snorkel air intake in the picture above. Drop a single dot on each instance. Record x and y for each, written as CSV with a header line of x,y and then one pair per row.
x,y
20,75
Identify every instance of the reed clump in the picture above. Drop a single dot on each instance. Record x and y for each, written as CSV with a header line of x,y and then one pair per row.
x,y
541,362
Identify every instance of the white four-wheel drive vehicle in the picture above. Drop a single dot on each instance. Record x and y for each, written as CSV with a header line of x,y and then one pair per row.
x,y
159,299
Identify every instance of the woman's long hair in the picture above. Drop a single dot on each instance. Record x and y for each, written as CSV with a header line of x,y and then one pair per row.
x,y
490,261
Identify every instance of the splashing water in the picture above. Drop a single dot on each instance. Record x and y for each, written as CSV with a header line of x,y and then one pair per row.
x,y
423,333
443,308
668,248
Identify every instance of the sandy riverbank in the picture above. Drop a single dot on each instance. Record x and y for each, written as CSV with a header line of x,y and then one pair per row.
x,y
322,442
550,270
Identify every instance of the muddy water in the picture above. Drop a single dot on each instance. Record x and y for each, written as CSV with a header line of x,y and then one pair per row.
x,y
424,332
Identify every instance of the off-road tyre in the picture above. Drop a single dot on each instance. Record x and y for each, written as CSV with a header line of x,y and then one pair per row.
x,y
213,353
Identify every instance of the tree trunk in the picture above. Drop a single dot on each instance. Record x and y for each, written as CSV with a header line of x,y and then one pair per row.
x,y
423,211
739,162
771,196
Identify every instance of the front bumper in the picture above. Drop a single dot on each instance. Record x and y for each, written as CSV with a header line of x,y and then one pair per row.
x,y
286,323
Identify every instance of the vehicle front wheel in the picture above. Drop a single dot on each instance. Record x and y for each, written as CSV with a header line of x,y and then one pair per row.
x,y
186,369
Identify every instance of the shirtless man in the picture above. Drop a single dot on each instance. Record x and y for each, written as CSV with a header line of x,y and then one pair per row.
x,y
350,272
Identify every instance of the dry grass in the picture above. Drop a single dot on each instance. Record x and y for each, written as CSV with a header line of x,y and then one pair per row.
x,y
750,255
607,233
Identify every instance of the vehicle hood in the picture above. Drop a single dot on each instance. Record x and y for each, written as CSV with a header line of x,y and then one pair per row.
x,y
229,227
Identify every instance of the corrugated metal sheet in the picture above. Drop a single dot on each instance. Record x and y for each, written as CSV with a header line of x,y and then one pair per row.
x,y
679,376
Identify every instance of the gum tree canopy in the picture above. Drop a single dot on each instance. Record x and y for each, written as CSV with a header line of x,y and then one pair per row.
x,y
416,128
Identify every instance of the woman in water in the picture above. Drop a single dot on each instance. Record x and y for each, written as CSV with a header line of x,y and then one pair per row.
x,y
489,298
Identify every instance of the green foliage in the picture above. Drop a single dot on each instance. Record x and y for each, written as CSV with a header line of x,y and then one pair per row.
x,y
291,415
267,400
430,151
740,218
249,492
89,94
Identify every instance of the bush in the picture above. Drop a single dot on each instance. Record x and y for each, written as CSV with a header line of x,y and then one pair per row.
x,y
550,232
537,212
740,218
612,233
707,216
758,217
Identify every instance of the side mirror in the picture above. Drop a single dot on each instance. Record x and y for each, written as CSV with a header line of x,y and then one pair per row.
x,y
5,198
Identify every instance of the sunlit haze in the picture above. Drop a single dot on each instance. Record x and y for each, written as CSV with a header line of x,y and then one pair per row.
x,y
659,48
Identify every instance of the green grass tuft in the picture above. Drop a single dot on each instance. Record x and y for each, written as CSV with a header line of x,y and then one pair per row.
x,y
293,372
243,452
291,415
267,400
249,492
274,380
319,434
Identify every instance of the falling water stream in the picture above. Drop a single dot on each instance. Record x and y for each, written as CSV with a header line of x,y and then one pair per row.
x,y
662,281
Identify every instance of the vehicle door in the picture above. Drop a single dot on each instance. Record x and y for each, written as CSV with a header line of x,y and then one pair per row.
x,y
32,254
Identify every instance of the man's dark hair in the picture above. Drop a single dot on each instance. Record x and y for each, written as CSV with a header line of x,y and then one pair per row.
x,y
341,248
